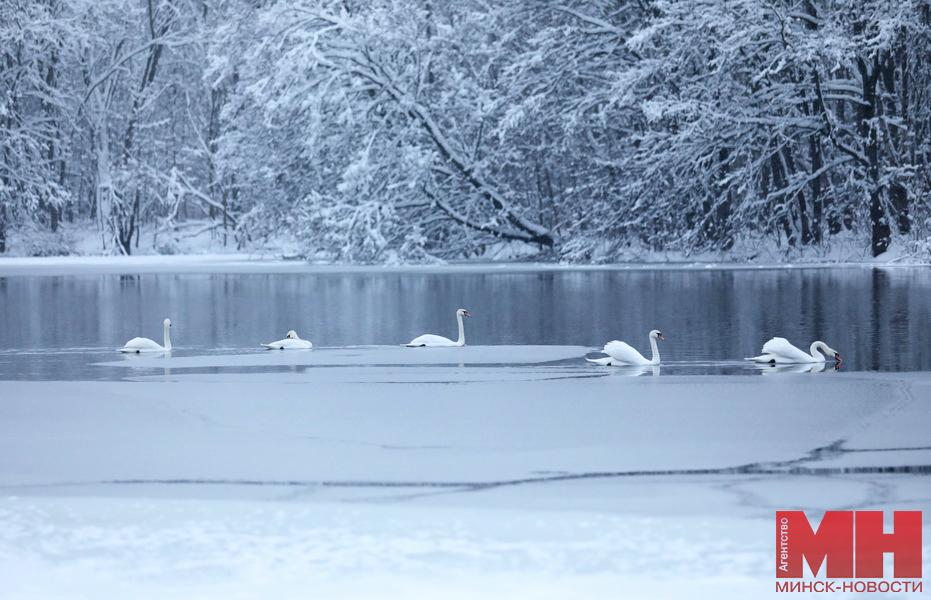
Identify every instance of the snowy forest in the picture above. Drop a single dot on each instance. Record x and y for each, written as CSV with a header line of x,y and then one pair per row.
x,y
419,130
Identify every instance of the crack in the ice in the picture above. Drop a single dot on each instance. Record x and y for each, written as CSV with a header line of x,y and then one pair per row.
x,y
781,468
485,485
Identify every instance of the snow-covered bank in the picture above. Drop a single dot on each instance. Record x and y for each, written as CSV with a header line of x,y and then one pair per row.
x,y
116,265
271,264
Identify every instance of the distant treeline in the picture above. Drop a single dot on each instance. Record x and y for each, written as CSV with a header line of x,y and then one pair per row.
x,y
382,130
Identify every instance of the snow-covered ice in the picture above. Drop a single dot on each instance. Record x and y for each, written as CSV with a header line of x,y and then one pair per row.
x,y
364,473
361,356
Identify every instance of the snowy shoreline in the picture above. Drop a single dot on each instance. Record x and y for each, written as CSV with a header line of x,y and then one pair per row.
x,y
253,264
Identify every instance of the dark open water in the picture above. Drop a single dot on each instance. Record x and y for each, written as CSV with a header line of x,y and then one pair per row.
x,y
879,319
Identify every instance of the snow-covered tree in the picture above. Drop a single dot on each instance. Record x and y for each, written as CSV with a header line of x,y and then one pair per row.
x,y
137,105
380,116
33,119
415,129
787,119
569,119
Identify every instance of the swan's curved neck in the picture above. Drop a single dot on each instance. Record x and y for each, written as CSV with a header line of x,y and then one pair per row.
x,y
461,341
815,346
167,338
655,360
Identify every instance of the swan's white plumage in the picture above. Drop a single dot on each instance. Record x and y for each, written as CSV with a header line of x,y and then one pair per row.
x,y
779,351
141,344
428,339
621,353
437,341
291,342
605,362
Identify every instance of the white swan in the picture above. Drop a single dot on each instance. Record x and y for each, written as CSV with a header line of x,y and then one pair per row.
x,y
779,351
621,353
290,342
141,344
431,340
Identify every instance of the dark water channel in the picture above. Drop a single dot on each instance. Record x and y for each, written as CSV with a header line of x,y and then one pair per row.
x,y
879,319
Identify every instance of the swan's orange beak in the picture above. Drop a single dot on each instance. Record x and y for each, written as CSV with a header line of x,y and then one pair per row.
x,y
837,357
660,336
466,314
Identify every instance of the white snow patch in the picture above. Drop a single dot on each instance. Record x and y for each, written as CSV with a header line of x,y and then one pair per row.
x,y
361,355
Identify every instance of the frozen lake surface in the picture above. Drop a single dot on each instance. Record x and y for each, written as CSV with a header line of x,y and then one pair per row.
x,y
510,468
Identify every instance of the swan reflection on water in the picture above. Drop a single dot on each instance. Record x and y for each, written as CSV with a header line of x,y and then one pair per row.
x,y
634,370
166,371
770,369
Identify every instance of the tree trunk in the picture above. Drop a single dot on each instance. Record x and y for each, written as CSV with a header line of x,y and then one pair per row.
x,y
716,214
817,185
880,231
898,196
803,211
779,183
53,210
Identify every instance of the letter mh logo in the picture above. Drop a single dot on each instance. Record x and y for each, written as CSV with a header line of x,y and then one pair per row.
x,y
837,538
